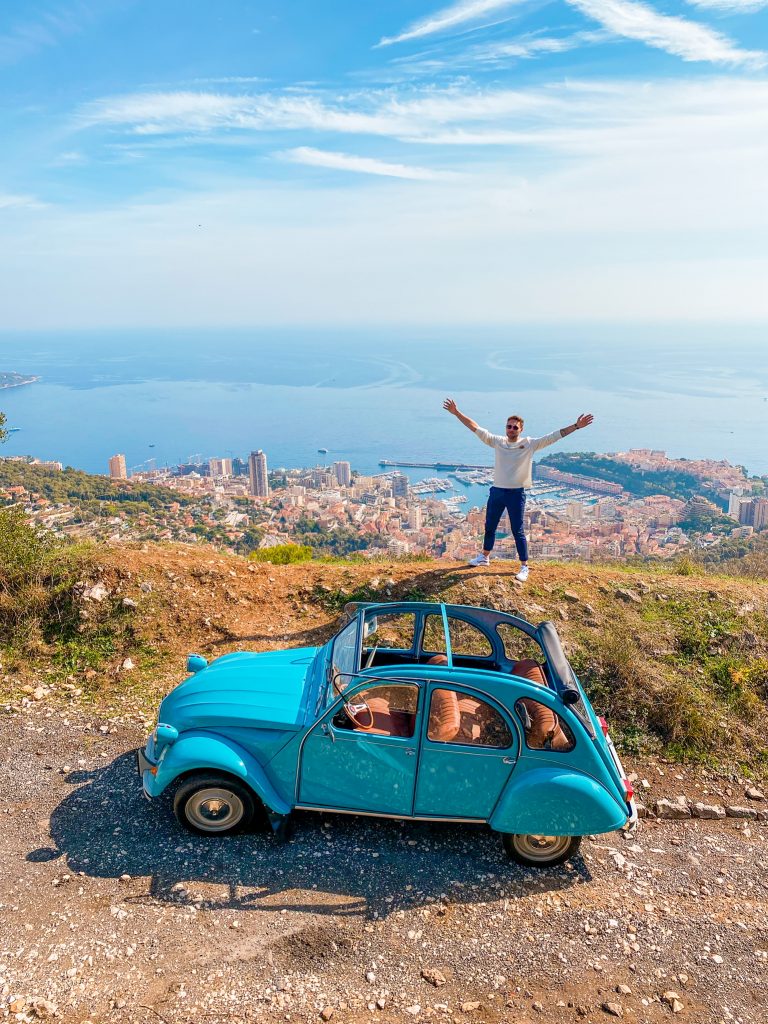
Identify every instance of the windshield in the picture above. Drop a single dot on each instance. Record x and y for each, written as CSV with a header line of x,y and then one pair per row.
x,y
343,661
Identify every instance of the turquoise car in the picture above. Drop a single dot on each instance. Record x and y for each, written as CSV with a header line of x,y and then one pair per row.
x,y
414,710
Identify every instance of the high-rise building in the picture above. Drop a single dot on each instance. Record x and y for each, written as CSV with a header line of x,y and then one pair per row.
x,y
735,499
400,485
415,517
117,468
220,467
257,470
343,472
747,512
760,513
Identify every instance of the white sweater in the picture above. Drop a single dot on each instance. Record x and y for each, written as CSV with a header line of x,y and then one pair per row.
x,y
514,460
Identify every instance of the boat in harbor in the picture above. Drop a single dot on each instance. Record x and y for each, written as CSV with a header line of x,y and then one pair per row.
x,y
323,451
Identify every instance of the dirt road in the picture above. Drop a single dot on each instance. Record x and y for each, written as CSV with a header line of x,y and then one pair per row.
x,y
110,912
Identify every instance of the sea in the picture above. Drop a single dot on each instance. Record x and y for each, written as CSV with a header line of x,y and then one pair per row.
x,y
164,397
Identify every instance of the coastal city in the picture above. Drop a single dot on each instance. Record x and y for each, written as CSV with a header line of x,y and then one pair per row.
x,y
242,504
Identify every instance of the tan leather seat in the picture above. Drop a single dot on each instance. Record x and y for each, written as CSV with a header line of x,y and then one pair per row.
x,y
444,716
389,721
545,731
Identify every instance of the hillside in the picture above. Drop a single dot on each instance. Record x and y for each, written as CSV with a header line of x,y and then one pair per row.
x,y
678,663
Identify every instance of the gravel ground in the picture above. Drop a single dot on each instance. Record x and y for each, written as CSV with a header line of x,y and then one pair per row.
x,y
110,912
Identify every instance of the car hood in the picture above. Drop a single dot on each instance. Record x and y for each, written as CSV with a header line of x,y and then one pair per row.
x,y
253,690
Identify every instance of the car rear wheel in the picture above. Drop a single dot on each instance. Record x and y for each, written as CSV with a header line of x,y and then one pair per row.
x,y
214,805
540,851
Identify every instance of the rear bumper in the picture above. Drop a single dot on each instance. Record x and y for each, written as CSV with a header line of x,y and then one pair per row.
x,y
631,806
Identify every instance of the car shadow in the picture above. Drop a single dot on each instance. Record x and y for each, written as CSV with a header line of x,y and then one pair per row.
x,y
344,865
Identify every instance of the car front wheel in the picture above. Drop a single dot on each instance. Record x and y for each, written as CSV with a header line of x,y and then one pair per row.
x,y
214,805
540,851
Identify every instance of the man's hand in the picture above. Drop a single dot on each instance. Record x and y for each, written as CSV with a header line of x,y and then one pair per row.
x,y
450,406
584,420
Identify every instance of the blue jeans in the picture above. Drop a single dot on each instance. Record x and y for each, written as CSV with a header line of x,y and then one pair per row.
x,y
513,500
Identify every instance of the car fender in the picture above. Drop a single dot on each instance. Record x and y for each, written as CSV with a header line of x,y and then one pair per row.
x,y
200,751
557,801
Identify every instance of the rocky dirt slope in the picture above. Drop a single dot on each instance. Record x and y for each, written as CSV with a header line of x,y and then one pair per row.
x,y
109,912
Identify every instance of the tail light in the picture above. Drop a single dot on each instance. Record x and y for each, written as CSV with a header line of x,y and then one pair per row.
x,y
628,789
603,725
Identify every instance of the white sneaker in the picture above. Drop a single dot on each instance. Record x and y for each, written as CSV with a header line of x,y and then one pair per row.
x,y
480,559
522,576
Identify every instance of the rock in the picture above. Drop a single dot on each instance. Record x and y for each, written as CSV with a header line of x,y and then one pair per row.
x,y
414,1010
628,595
469,1007
129,603
642,810
18,1005
127,665
538,1007
124,878
146,587
734,811
569,595
326,1013
612,1009
673,811
673,1000
44,1007
370,977
700,810
39,693
624,990
381,1002
433,976
753,793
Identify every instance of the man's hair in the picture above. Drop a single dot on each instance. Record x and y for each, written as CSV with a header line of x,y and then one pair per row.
x,y
519,419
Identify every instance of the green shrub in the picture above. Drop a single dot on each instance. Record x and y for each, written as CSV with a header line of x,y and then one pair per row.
x,y
282,554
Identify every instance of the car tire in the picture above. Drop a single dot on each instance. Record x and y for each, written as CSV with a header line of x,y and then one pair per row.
x,y
540,851
214,805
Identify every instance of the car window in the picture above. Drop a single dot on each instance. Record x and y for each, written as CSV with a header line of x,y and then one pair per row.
x,y
388,709
457,717
518,646
394,632
466,638
343,660
544,729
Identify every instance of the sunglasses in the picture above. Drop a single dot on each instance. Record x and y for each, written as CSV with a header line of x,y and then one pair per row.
x,y
512,426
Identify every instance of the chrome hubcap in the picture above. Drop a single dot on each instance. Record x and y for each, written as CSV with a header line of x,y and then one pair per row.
x,y
541,848
214,810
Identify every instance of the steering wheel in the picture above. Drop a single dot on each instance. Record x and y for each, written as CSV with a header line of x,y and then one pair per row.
x,y
369,660
359,714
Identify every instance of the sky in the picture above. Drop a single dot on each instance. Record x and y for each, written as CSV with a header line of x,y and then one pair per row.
x,y
299,162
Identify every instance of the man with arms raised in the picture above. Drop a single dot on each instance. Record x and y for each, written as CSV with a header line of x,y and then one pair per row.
x,y
511,475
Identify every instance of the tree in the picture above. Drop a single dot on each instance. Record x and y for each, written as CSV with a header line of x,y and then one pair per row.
x,y
3,431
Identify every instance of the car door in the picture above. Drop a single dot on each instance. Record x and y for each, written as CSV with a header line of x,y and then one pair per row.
x,y
469,749
372,769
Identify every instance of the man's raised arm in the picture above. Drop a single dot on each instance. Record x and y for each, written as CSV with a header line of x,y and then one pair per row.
x,y
450,406
583,421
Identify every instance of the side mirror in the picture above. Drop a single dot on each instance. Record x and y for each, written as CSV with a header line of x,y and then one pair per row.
x,y
196,662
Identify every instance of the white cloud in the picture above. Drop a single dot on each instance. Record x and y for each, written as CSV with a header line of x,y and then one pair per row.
x,y
731,6
20,202
46,28
359,164
687,39
449,17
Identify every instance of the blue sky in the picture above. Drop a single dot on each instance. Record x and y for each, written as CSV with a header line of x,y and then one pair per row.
x,y
470,162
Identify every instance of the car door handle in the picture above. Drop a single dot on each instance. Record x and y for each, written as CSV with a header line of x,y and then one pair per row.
x,y
410,751
507,760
